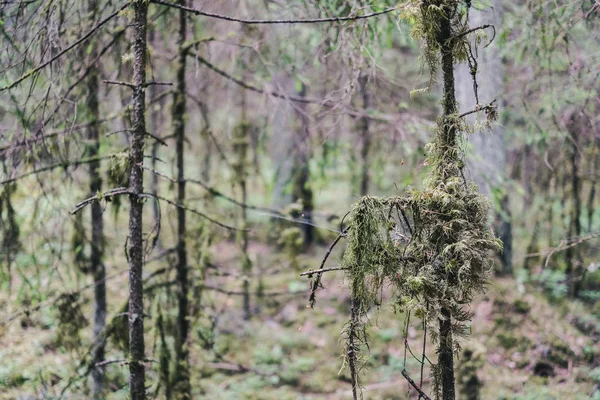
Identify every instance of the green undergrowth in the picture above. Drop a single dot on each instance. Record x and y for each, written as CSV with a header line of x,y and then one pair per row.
x,y
531,349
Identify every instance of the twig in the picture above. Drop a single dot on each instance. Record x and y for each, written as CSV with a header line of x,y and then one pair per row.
x,y
575,243
317,282
271,21
132,86
479,107
414,385
123,361
482,27
310,272
108,194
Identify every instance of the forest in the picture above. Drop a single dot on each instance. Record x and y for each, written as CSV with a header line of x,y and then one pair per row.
x,y
300,199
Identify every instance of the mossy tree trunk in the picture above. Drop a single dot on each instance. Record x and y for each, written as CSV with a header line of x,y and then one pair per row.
x,y
137,379
181,379
447,139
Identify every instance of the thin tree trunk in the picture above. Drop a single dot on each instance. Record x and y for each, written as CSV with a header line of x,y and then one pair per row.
x,y
573,255
181,386
365,139
137,382
154,123
241,142
97,240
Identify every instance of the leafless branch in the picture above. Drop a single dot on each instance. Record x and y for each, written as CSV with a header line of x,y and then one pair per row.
x,y
272,21
317,282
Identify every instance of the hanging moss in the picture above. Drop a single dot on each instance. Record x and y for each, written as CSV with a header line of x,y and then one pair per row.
x,y
432,246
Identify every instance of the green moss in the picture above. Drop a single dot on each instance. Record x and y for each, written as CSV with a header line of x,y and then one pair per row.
x,y
521,306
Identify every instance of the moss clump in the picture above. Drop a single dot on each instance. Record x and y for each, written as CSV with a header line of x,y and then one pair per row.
x,y
521,306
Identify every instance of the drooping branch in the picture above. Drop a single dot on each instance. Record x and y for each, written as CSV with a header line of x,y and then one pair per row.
x,y
272,21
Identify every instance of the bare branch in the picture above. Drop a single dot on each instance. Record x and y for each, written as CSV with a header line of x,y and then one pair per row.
x,y
479,107
271,21
317,282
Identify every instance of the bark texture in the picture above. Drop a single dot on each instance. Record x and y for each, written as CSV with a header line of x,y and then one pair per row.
x,y
365,139
137,388
448,140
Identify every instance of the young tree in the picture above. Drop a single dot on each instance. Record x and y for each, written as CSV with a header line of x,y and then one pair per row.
x,y
97,224
181,384
433,244
137,382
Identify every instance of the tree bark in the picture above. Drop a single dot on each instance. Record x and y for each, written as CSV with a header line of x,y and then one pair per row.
x,y
181,385
365,139
97,239
137,388
448,140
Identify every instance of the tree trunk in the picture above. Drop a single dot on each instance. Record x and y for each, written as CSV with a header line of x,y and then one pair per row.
x,y
573,255
365,139
97,239
154,125
137,388
448,140
240,149
181,385
488,160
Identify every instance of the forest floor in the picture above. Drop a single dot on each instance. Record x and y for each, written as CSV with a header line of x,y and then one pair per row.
x,y
522,345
